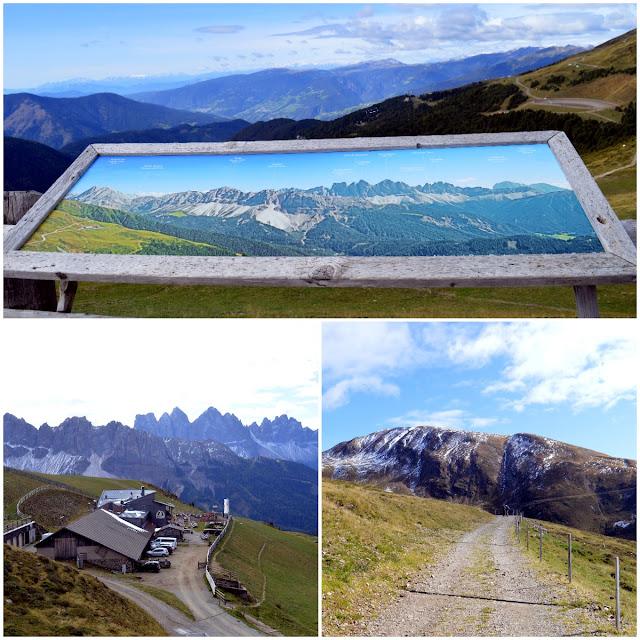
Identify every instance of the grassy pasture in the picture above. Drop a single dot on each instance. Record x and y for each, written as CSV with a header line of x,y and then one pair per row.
x,y
280,570
176,301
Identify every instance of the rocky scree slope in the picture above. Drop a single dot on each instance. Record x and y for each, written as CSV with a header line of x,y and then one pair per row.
x,y
544,478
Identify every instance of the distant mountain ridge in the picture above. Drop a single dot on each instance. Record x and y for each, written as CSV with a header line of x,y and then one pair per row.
x,y
283,437
343,218
200,471
323,94
545,478
60,121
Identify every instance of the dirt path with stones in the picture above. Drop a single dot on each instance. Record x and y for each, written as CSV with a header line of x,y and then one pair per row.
x,y
483,587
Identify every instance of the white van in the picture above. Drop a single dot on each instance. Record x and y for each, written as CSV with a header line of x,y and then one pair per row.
x,y
168,543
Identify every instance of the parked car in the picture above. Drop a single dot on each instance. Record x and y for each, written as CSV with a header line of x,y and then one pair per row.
x,y
157,552
150,565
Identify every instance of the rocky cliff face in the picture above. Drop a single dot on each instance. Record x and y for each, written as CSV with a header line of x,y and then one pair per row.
x,y
283,437
544,478
200,471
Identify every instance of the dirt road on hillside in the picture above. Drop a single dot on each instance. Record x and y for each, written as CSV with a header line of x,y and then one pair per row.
x,y
186,581
483,586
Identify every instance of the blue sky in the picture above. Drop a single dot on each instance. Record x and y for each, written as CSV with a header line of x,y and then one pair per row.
x,y
480,166
572,381
54,42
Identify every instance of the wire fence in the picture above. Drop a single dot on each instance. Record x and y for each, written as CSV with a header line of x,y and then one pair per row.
x,y
527,530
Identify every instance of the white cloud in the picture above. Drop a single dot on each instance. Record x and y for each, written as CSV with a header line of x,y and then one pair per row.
x,y
357,348
338,395
448,419
584,365
358,356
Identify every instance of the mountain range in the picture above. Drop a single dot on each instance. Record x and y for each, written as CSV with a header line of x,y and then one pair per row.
x,y
60,121
324,94
283,437
359,218
544,478
200,471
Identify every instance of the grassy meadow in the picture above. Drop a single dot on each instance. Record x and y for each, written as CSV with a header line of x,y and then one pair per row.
x,y
593,570
280,570
46,598
374,542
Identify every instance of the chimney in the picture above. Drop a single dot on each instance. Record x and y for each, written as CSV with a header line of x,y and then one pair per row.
x,y
95,505
142,490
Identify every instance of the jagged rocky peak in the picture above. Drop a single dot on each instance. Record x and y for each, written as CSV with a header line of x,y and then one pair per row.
x,y
283,437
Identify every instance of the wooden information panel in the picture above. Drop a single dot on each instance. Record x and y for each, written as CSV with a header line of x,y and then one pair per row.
x,y
513,209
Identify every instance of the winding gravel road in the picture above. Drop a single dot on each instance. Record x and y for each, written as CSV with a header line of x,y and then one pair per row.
x,y
484,586
186,581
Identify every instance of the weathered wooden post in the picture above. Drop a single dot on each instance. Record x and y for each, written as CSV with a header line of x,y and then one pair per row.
x,y
540,544
569,559
617,594
18,293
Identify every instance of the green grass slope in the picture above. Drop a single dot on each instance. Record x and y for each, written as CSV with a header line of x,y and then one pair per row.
x,y
607,72
62,231
14,486
46,598
280,570
593,569
373,542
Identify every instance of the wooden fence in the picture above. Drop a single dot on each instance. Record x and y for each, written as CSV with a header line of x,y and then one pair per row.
x,y
31,493
211,549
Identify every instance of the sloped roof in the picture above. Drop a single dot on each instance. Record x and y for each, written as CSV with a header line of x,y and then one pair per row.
x,y
122,495
110,531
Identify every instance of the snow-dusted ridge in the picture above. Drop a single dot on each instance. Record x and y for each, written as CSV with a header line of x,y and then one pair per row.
x,y
523,470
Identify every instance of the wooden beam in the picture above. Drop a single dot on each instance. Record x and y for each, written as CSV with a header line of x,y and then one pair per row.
x,y
411,272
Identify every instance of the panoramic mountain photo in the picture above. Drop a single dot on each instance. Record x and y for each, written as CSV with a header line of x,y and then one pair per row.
x,y
476,475
386,203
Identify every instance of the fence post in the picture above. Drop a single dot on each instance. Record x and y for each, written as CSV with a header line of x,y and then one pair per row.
x,y
527,536
540,545
570,567
617,594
